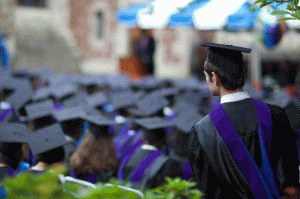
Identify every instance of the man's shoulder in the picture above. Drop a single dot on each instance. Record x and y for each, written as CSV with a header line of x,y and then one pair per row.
x,y
275,109
203,122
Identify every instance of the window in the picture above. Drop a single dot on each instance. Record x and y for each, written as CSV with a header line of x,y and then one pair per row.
x,y
32,3
100,25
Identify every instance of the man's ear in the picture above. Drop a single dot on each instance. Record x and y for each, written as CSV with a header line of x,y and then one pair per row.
x,y
215,78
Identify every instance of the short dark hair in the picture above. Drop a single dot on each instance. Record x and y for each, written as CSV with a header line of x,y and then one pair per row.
x,y
8,151
53,156
231,83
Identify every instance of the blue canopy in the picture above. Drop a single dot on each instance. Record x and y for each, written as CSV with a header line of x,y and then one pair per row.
x,y
128,16
240,19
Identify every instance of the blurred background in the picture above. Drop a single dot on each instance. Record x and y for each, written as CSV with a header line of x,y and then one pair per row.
x,y
142,37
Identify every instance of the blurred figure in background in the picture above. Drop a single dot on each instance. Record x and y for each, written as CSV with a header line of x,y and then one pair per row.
x,y
144,49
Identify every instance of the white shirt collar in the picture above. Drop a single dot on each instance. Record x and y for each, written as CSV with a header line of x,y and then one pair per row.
x,y
234,97
149,147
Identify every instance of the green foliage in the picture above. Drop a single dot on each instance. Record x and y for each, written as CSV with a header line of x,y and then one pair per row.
x,y
30,186
102,191
292,9
47,185
175,189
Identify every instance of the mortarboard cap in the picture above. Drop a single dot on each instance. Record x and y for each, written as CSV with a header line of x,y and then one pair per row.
x,y
71,119
121,99
187,84
152,104
56,79
19,100
154,128
13,133
100,126
227,58
168,93
62,92
185,121
87,80
153,123
71,113
118,82
40,109
41,94
182,106
46,139
77,100
97,99
147,83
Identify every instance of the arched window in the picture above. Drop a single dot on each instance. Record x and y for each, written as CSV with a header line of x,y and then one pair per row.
x,y
100,25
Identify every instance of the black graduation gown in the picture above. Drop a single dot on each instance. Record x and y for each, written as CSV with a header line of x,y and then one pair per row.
x,y
3,173
170,168
222,178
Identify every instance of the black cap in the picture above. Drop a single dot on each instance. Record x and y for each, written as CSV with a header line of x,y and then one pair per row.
x,y
152,104
19,99
182,106
46,139
100,125
154,128
60,92
117,82
71,120
42,94
97,99
153,123
86,80
57,79
227,58
185,121
13,133
77,100
187,84
122,99
192,97
40,109
148,83
71,113
168,93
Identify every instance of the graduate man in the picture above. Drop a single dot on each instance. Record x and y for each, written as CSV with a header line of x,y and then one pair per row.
x,y
243,148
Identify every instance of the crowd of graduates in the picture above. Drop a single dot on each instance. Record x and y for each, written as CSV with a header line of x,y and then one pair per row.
x,y
105,126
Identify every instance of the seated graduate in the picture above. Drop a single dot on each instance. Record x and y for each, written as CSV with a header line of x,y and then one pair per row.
x,y
13,138
39,114
179,140
148,165
95,158
72,121
47,145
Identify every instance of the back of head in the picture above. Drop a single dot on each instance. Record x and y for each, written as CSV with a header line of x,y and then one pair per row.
x,y
53,156
227,62
94,155
12,154
230,83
